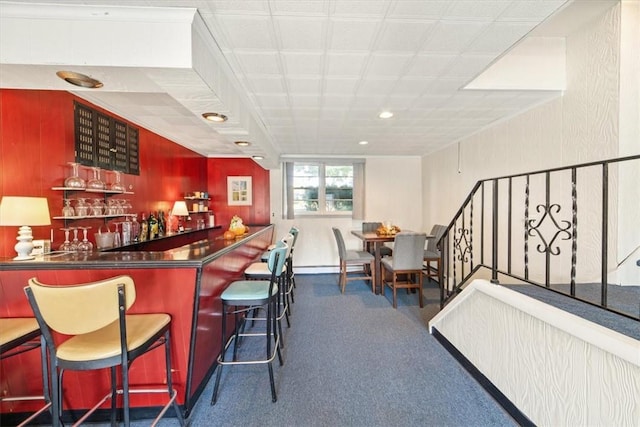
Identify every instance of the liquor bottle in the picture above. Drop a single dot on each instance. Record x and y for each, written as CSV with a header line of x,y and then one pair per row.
x,y
162,225
144,229
135,229
153,226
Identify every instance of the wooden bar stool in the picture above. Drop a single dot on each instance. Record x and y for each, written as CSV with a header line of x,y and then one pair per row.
x,y
244,296
102,336
18,335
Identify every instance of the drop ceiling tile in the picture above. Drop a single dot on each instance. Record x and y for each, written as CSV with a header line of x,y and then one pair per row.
x,y
272,101
345,64
432,9
352,35
304,101
412,86
429,65
299,7
340,85
234,6
530,10
375,87
476,10
402,35
247,32
376,8
300,64
258,62
453,36
468,66
383,65
266,84
500,36
304,85
337,101
300,33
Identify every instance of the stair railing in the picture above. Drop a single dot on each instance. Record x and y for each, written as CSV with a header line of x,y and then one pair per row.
x,y
554,228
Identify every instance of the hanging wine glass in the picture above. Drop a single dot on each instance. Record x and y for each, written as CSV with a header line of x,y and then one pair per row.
x,y
95,183
85,245
66,245
67,210
118,185
74,181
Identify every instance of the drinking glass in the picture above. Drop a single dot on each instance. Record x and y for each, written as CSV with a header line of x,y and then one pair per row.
x,y
118,185
117,240
85,245
66,245
67,210
95,183
82,207
74,181
75,242
98,207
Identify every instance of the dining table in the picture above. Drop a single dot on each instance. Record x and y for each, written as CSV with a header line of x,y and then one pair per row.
x,y
377,241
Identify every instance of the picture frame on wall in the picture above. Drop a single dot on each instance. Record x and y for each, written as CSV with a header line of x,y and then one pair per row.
x,y
239,191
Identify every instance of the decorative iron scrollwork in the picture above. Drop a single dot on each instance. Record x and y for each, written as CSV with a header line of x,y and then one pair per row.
x,y
462,244
562,231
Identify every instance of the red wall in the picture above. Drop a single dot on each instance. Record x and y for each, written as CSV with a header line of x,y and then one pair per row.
x,y
37,141
219,170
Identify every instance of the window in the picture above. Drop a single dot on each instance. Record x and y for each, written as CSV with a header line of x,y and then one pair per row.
x,y
323,188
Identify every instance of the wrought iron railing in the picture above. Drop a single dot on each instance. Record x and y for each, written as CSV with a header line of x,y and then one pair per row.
x,y
562,229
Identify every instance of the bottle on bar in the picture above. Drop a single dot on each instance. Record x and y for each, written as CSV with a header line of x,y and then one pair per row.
x,y
153,226
135,229
162,225
144,228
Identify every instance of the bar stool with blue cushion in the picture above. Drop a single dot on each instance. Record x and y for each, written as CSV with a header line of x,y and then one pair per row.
x,y
291,280
18,335
102,334
405,267
261,271
244,296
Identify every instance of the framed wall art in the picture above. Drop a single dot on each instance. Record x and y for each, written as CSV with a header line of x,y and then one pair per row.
x,y
239,191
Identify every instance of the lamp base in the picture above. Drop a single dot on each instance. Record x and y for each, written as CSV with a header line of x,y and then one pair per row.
x,y
25,244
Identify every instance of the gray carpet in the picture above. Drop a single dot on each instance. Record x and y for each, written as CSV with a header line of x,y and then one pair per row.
x,y
352,360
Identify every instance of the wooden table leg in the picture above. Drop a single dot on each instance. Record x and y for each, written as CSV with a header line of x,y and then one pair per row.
x,y
379,285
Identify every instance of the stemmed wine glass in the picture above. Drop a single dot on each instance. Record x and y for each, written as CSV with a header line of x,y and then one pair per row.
x,y
117,241
95,183
118,185
74,181
67,210
85,245
75,242
66,245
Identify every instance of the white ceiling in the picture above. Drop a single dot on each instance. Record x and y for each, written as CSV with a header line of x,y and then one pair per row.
x,y
296,78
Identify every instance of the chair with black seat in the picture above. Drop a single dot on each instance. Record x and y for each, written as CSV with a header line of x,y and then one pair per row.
x,y
432,253
371,227
18,335
363,259
405,267
241,297
102,335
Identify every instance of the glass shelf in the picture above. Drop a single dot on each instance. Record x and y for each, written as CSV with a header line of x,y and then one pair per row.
x,y
93,216
89,190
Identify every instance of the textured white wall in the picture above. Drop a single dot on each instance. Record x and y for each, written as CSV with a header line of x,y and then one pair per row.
x,y
557,368
579,126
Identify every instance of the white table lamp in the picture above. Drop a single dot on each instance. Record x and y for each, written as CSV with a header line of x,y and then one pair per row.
x,y
180,210
24,212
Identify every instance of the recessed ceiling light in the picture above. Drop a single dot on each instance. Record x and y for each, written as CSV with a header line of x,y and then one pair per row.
x,y
363,142
242,143
385,115
257,157
215,117
78,79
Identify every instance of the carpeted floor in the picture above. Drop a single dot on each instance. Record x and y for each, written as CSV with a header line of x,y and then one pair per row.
x,y
352,360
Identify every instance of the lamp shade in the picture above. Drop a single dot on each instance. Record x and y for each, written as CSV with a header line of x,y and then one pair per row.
x,y
180,208
15,210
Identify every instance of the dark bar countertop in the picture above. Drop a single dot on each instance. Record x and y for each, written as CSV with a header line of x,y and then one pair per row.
x,y
194,254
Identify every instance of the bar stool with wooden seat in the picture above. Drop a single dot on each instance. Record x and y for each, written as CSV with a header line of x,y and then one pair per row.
x,y
102,336
18,335
241,297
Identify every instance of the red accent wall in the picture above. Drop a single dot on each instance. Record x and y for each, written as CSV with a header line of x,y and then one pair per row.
x,y
37,141
219,170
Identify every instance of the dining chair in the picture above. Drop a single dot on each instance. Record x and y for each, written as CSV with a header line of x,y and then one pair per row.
x,y
405,266
354,258
19,335
102,335
241,297
371,227
432,253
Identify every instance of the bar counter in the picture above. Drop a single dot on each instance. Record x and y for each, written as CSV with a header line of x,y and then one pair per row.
x,y
185,282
